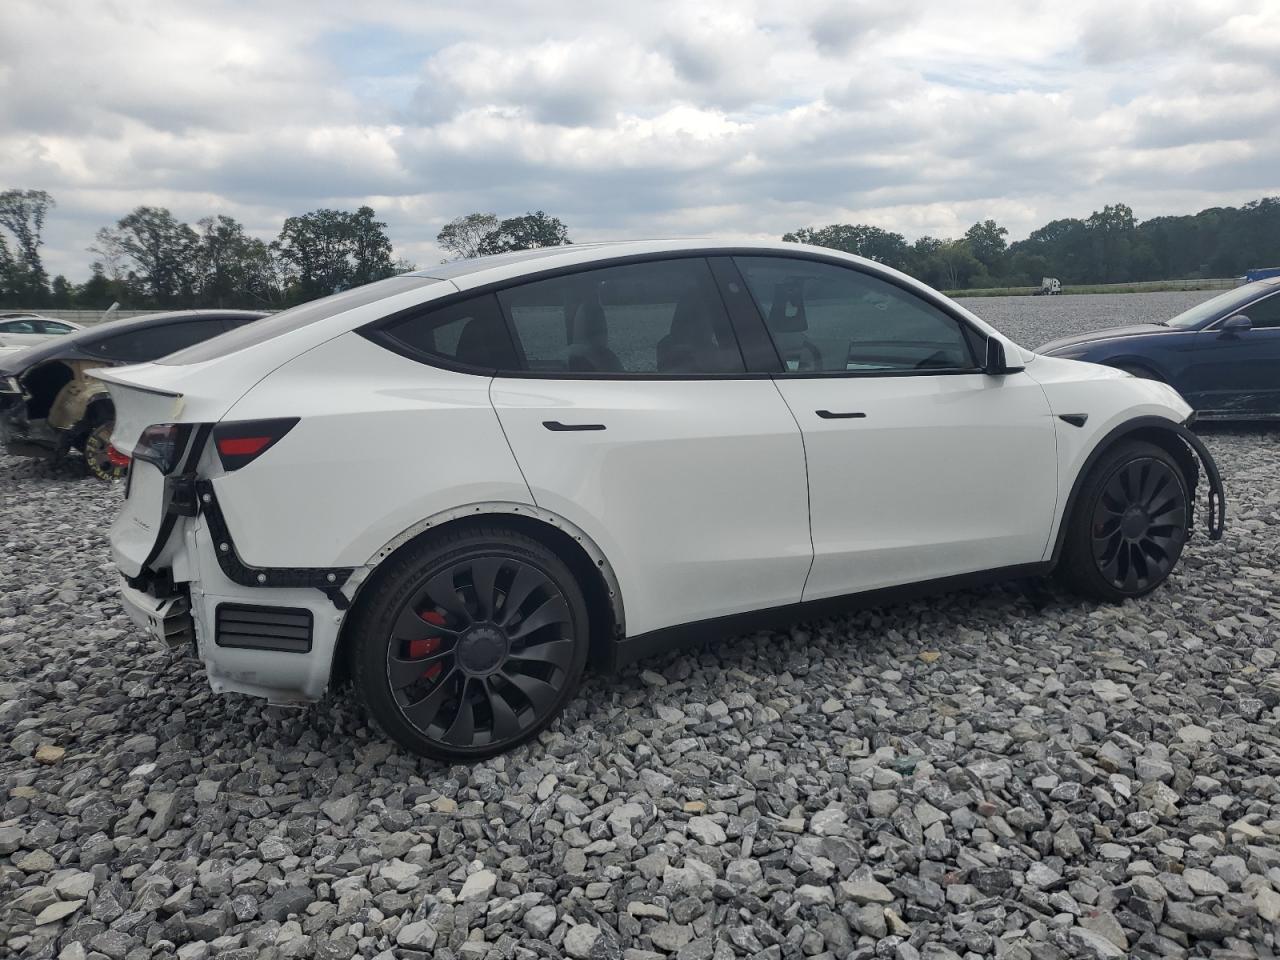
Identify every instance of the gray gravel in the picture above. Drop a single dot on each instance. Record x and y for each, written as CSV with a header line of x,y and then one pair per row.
x,y
1003,773
1032,321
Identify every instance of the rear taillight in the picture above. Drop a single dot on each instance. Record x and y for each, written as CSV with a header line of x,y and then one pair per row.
x,y
243,441
162,444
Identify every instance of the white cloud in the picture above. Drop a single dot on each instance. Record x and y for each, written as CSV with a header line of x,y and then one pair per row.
x,y
720,116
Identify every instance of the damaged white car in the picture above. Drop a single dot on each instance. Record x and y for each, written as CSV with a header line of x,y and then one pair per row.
x,y
465,484
49,405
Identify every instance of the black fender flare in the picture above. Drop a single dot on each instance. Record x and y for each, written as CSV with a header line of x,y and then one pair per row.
x,y
1217,501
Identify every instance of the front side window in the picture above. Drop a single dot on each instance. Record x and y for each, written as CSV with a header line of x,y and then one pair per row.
x,y
468,332
659,318
1264,314
54,328
829,319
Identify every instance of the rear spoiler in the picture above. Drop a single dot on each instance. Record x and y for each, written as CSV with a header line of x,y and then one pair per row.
x,y
108,375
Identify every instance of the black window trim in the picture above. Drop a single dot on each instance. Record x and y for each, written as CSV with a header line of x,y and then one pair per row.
x,y
758,367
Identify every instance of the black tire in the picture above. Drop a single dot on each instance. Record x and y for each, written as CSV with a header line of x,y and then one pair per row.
x,y
1129,524
446,666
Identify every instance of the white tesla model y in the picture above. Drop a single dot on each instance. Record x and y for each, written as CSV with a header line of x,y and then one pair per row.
x,y
465,484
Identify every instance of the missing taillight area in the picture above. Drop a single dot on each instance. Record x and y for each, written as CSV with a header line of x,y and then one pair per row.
x,y
241,442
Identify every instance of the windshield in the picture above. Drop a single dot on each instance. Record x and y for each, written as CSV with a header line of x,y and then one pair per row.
x,y
1222,303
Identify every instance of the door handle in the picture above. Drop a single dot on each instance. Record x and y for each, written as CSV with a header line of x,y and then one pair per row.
x,y
839,415
557,426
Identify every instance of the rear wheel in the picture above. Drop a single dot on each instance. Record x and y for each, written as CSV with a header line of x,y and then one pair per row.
x,y
470,644
103,460
1129,524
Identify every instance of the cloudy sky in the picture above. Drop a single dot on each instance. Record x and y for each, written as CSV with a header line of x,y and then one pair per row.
x,y
724,117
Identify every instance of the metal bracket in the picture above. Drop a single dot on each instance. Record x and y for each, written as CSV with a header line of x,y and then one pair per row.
x,y
328,580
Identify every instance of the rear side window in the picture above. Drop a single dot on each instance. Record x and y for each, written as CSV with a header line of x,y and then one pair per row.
x,y
468,332
662,317
17,326
829,319
151,342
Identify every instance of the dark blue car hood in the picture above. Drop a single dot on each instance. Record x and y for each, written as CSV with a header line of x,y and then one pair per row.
x,y
1100,336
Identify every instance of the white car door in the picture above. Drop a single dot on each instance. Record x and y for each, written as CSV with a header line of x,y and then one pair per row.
x,y
633,417
920,466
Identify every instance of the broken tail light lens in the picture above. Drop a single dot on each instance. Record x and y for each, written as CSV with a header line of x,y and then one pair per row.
x,y
162,444
241,442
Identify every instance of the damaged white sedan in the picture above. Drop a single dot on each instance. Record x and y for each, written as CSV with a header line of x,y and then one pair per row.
x,y
465,484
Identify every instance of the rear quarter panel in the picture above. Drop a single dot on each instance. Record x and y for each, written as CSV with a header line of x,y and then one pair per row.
x,y
383,442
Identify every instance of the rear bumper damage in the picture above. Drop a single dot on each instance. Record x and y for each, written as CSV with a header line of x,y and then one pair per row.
x,y
276,643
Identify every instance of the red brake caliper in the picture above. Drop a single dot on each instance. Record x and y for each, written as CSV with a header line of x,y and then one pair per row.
x,y
428,646
115,457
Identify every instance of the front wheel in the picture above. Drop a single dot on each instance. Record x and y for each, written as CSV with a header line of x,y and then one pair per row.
x,y
1129,523
470,644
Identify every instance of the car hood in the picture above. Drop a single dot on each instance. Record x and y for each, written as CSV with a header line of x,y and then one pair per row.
x,y
1098,336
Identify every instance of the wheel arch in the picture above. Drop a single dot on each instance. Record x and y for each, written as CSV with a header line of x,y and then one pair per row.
x,y
1127,362
1169,435
580,553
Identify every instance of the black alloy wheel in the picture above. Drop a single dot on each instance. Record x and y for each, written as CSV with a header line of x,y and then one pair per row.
x,y
480,647
1139,524
1129,525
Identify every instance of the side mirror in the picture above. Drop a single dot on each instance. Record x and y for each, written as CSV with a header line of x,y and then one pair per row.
x,y
996,364
1234,326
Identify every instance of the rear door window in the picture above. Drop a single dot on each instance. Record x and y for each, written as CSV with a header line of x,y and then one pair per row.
x,y
657,318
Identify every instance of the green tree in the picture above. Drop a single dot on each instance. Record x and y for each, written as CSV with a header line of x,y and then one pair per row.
x,y
235,268
326,251
987,244
22,213
61,292
161,251
1111,239
462,236
532,230
861,239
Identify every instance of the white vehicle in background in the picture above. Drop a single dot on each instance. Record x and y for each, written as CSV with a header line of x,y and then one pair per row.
x,y
27,329
467,483
1049,286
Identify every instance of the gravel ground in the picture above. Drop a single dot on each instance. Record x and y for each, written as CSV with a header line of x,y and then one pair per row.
x,y
1032,321
1003,773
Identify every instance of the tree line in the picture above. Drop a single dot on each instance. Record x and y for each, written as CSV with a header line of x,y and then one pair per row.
x,y
1110,246
149,258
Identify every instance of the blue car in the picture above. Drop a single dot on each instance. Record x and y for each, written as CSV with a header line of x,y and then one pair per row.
x,y
1222,355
